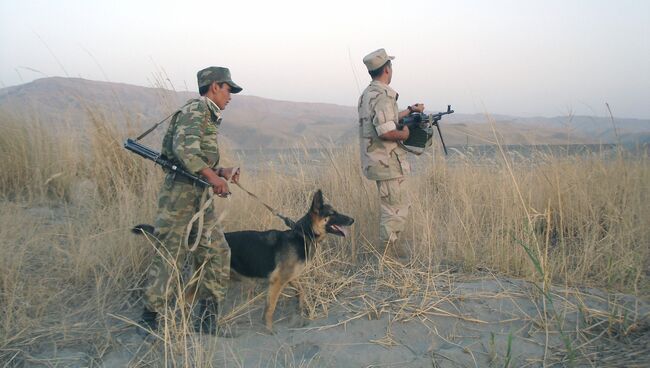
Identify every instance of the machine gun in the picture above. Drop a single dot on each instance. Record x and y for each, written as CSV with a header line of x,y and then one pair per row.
x,y
163,161
421,130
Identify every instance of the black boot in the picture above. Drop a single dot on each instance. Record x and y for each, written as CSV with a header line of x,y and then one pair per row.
x,y
208,317
148,322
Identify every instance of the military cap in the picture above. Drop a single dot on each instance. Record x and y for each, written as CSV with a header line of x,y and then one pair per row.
x,y
376,59
216,74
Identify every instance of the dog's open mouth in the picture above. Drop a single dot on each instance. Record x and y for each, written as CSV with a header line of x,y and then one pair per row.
x,y
338,230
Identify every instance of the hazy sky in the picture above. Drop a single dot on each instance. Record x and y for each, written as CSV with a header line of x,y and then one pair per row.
x,y
521,57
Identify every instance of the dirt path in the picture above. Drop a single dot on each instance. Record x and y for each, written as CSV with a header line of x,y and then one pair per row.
x,y
464,322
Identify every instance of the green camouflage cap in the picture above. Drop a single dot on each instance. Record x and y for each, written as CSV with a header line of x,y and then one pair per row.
x,y
376,59
216,74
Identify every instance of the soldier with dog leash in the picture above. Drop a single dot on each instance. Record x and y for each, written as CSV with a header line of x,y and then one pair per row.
x,y
190,143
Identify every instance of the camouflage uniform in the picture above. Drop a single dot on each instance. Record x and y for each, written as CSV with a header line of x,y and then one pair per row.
x,y
381,160
192,140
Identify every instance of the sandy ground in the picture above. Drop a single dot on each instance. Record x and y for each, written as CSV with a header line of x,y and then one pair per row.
x,y
378,314
463,321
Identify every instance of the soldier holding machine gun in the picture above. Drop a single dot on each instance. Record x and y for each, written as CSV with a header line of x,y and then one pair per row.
x,y
382,157
386,135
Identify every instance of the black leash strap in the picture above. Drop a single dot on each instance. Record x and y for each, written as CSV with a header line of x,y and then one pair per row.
x,y
287,221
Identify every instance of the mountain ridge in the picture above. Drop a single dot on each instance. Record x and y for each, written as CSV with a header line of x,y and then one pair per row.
x,y
258,122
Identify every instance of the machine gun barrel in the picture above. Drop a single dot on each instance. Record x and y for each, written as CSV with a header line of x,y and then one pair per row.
x,y
439,115
161,160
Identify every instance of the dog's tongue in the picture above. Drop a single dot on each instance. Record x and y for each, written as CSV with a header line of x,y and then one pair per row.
x,y
342,229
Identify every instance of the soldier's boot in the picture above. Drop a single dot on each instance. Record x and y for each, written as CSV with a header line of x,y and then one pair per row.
x,y
148,322
208,317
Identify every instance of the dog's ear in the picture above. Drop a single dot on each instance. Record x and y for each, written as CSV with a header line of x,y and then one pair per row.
x,y
317,202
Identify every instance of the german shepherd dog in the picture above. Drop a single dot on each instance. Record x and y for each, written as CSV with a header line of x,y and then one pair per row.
x,y
280,256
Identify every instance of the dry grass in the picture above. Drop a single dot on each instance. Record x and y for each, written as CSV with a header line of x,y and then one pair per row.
x,y
70,265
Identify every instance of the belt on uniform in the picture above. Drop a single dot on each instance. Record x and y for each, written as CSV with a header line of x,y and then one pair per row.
x,y
182,179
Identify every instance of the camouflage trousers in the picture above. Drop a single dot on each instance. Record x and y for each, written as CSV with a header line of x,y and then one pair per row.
x,y
394,209
177,203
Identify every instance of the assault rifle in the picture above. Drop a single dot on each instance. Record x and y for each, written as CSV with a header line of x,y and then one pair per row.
x,y
163,161
421,130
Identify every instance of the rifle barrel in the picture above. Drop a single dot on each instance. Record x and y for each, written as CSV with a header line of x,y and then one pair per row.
x,y
156,157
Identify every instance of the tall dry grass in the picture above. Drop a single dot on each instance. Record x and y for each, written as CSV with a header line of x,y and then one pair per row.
x,y
70,197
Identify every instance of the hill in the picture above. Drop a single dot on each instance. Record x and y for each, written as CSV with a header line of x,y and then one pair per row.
x,y
256,122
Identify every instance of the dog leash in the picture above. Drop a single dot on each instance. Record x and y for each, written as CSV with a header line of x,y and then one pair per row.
x,y
198,216
287,221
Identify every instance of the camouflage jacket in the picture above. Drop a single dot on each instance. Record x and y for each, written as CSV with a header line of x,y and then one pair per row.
x,y
191,138
378,114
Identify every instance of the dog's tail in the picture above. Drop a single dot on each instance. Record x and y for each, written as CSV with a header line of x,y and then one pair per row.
x,y
142,229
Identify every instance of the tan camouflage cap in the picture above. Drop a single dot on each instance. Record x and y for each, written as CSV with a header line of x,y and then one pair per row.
x,y
376,59
216,74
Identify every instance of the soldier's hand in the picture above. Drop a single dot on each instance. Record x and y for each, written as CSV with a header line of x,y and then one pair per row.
x,y
230,173
418,107
405,133
219,186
